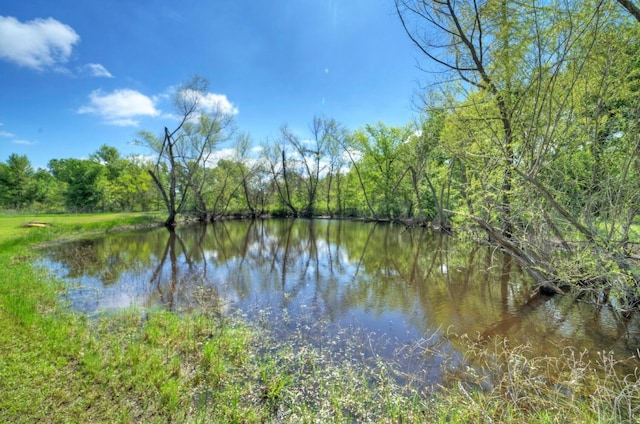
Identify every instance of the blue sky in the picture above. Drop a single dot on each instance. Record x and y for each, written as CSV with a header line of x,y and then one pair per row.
x,y
78,74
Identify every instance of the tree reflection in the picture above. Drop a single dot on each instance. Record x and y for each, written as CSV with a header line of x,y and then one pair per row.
x,y
381,277
166,286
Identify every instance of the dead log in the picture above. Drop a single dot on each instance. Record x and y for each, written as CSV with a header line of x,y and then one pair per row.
x,y
35,224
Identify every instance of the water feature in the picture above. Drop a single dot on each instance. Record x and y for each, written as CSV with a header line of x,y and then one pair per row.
x,y
398,291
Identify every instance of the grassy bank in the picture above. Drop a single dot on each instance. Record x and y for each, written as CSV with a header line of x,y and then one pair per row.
x,y
156,366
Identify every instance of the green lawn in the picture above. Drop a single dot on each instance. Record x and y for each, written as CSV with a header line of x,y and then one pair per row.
x,y
14,228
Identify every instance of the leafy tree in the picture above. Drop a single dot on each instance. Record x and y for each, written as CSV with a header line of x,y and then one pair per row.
x,y
109,157
227,187
351,146
196,156
17,188
84,183
430,170
133,189
539,129
381,168
463,37
48,192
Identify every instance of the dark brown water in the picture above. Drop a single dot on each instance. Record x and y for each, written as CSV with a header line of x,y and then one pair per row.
x,y
396,291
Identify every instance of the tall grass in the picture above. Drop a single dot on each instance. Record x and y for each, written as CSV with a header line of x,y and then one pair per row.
x,y
503,383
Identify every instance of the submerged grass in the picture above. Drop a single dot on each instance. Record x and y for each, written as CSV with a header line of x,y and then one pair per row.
x,y
503,383
159,366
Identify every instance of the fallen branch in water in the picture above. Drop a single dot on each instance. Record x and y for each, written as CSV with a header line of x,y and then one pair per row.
x,y
527,261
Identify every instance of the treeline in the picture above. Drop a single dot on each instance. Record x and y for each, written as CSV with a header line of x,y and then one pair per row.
x,y
532,136
331,171
377,171
104,182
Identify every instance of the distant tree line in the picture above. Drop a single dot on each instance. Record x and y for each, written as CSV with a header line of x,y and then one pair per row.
x,y
104,182
531,137
328,172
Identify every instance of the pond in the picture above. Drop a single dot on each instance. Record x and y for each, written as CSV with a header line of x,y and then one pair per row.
x,y
379,290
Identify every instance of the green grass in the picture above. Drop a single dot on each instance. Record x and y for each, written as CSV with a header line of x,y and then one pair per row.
x,y
13,226
158,366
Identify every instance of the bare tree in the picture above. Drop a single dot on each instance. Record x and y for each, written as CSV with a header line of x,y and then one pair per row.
x,y
309,154
316,157
333,135
275,157
184,152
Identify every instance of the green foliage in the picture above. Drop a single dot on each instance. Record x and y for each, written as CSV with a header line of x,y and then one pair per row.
x,y
382,172
105,182
17,187
540,129
84,181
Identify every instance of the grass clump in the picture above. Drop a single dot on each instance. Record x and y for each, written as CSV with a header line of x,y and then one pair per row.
x,y
160,366
500,383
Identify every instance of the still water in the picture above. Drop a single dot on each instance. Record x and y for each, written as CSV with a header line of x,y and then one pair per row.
x,y
328,282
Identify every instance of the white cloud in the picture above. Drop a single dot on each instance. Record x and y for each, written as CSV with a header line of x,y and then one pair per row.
x,y
95,70
226,153
38,44
6,134
212,102
220,103
121,107
23,142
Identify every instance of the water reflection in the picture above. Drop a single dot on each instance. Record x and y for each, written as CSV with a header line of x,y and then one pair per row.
x,y
315,278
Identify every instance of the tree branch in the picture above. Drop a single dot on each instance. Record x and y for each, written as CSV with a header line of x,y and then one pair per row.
x,y
631,8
